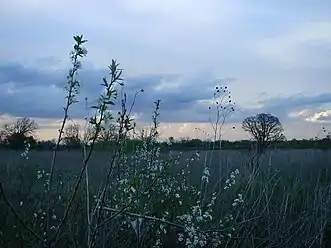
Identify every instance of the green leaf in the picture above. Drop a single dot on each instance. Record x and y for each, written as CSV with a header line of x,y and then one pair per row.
x,y
77,38
109,102
105,81
93,120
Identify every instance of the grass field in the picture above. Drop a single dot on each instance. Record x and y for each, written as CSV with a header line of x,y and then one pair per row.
x,y
286,201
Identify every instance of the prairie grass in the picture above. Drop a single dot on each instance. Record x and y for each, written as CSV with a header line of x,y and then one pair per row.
x,y
286,204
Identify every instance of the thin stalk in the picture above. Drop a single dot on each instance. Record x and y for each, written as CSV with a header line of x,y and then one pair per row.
x,y
72,85
101,109
87,202
88,214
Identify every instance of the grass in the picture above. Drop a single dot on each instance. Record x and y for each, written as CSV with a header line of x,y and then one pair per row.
x,y
286,204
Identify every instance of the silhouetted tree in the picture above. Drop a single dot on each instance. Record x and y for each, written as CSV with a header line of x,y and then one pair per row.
x,y
108,132
16,133
325,141
171,139
71,137
46,144
264,129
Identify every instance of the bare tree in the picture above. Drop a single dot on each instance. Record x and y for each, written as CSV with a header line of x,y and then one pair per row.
x,y
23,126
109,132
16,133
88,134
264,129
71,136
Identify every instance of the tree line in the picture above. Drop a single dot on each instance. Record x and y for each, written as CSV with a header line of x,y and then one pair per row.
x,y
265,130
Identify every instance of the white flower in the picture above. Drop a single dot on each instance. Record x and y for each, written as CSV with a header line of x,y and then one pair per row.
x,y
199,218
202,243
133,189
206,175
180,237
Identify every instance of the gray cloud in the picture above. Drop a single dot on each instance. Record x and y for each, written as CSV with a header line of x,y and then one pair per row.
x,y
298,100
326,118
26,91
12,72
283,106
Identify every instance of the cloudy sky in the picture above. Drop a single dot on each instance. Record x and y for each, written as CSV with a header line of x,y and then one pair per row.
x,y
274,57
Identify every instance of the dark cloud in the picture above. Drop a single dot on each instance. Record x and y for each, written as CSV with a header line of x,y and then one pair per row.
x,y
298,101
16,73
26,91
282,106
324,118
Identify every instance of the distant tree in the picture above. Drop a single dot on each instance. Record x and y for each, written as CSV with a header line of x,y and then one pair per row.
x,y
109,132
71,136
325,141
16,133
107,135
46,144
171,140
264,129
88,134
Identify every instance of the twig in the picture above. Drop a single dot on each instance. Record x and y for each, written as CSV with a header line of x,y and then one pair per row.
x,y
87,202
81,175
73,84
122,211
87,183
115,77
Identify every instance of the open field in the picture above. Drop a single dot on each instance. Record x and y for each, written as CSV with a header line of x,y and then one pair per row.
x,y
287,201
279,158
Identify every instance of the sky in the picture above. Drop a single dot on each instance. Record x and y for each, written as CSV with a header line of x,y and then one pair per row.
x,y
273,57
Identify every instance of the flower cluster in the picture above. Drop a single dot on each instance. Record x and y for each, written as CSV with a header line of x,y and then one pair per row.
x,y
198,218
238,200
40,174
206,174
231,180
151,189
192,221
25,153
